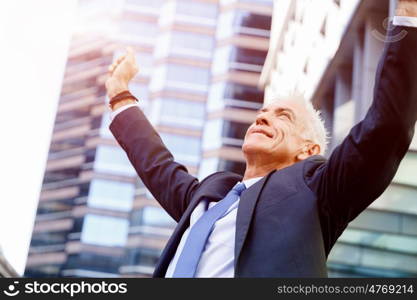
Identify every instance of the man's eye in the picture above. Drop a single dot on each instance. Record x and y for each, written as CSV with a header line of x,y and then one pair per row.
x,y
285,115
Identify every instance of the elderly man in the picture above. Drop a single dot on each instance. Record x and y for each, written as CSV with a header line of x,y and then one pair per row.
x,y
283,217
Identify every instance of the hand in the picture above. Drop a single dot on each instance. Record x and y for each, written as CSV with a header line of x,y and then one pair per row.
x,y
406,8
121,72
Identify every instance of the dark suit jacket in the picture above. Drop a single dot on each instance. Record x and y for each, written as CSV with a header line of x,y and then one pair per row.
x,y
288,221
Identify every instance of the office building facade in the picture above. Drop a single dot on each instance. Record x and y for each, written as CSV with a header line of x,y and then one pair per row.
x,y
331,57
242,39
95,217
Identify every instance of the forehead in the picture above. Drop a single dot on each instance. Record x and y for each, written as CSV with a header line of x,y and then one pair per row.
x,y
294,105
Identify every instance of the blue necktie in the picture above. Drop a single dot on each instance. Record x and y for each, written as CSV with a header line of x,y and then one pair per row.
x,y
200,231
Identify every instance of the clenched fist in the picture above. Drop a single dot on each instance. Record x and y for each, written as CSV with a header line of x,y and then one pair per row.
x,y
121,72
407,8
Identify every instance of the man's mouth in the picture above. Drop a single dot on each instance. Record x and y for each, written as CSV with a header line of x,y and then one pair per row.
x,y
261,131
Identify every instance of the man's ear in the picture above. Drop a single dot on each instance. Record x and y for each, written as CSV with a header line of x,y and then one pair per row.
x,y
308,150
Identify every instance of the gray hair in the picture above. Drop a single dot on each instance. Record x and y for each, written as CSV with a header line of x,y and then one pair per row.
x,y
315,131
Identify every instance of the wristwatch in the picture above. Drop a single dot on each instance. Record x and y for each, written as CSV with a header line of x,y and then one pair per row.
x,y
120,97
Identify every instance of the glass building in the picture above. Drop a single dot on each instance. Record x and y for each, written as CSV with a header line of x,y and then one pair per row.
x,y
200,62
242,39
330,54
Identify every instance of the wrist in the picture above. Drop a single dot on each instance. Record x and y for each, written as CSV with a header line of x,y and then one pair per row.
x,y
122,103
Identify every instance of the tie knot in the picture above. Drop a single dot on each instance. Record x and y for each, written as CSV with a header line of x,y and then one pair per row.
x,y
239,188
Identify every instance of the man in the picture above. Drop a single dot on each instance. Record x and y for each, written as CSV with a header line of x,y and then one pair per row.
x,y
283,217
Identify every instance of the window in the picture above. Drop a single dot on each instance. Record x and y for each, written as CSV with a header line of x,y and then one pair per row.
x,y
188,12
184,44
48,238
216,95
399,198
44,270
197,9
252,20
145,61
113,160
73,114
221,60
232,166
84,189
413,145
67,144
60,175
407,172
111,195
263,2
143,257
234,58
234,130
244,92
225,25
181,112
152,216
90,155
180,77
344,270
139,90
208,166
105,123
190,74
95,123
78,225
85,57
191,40
248,56
163,45
47,207
186,149
212,138
215,100
233,95
140,3
159,78
94,262
146,31
243,22
380,240
104,230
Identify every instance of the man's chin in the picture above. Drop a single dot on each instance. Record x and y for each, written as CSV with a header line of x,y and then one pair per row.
x,y
253,148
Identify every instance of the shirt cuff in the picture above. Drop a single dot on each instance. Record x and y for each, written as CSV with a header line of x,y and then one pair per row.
x,y
113,114
405,21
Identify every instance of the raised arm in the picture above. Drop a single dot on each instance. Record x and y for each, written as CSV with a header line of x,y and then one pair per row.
x,y
364,164
168,181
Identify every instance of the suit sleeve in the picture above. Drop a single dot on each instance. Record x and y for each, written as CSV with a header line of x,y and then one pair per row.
x,y
364,164
168,181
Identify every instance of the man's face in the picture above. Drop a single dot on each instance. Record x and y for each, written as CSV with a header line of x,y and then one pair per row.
x,y
277,131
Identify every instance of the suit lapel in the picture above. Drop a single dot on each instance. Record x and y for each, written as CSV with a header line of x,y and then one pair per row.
x,y
245,211
174,240
212,191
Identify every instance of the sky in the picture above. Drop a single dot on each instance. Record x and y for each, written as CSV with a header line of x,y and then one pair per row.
x,y
34,41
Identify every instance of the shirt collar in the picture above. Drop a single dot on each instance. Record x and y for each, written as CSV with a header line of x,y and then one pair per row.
x,y
249,182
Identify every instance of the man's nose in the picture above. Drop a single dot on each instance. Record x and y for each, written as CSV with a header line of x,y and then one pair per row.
x,y
262,120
